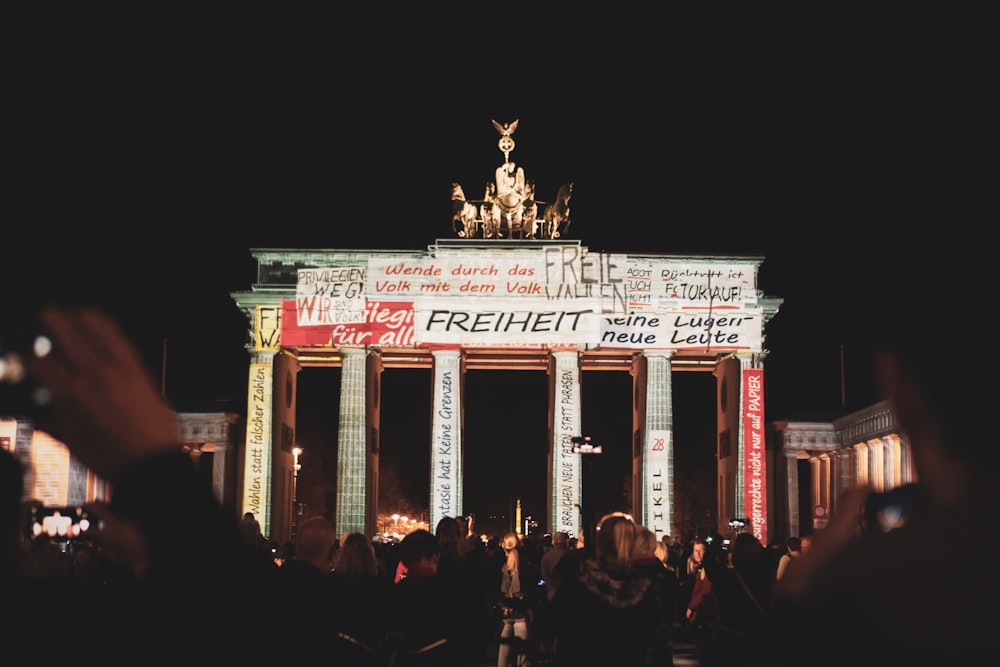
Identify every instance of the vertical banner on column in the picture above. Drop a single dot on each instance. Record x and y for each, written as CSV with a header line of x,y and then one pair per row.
x,y
443,448
755,461
267,327
657,467
257,463
566,466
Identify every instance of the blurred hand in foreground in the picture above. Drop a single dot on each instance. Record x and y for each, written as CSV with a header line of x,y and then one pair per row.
x,y
104,404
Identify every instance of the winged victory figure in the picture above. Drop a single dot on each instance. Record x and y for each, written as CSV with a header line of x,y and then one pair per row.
x,y
506,129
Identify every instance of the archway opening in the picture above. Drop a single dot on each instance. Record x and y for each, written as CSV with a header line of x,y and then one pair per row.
x,y
506,444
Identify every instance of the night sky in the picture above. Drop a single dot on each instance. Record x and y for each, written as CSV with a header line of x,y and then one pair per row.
x,y
141,184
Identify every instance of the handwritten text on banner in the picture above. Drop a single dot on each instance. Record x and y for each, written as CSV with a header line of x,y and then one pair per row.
x,y
554,295
754,453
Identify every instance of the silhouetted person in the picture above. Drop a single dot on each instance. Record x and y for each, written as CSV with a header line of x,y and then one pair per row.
x,y
307,575
742,592
701,608
609,614
361,592
251,531
645,561
552,572
464,561
431,613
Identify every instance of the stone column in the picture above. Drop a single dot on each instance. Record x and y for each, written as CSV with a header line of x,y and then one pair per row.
x,y
567,469
657,469
76,487
351,443
446,438
792,491
909,471
221,451
876,465
751,488
740,491
256,495
815,481
844,471
825,482
24,440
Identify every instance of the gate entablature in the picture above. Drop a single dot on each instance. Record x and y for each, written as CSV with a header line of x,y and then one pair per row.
x,y
691,305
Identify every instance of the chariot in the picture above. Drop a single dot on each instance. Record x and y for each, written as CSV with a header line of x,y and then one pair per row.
x,y
508,208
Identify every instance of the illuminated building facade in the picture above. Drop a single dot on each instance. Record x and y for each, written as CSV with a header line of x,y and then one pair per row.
x,y
528,304
816,461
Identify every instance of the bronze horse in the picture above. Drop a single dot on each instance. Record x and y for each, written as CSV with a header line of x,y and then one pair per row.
x,y
557,213
463,213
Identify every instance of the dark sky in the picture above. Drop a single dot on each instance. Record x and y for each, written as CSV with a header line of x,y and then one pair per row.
x,y
140,183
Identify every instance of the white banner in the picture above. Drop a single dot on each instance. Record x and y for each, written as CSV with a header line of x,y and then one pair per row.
x,y
566,466
330,295
553,295
688,329
558,273
651,283
445,444
658,472
257,465
499,322
463,276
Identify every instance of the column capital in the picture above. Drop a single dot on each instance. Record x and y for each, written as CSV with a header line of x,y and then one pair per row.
x,y
262,356
751,359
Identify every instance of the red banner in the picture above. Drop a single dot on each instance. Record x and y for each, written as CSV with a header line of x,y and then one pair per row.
x,y
388,324
754,454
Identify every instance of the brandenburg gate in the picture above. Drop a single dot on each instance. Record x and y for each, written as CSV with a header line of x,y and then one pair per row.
x,y
513,295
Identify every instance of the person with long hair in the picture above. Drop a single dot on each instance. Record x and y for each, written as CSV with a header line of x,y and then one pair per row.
x,y
701,606
513,600
610,613
361,591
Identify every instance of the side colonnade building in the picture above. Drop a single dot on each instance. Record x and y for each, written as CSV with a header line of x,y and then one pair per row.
x,y
817,461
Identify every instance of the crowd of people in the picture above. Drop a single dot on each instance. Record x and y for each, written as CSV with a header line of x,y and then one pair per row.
x,y
191,582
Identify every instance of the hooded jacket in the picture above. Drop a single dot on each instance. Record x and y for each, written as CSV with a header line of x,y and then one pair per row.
x,y
608,615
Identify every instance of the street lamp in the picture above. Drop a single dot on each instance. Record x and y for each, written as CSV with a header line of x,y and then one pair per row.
x,y
587,447
584,444
296,510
